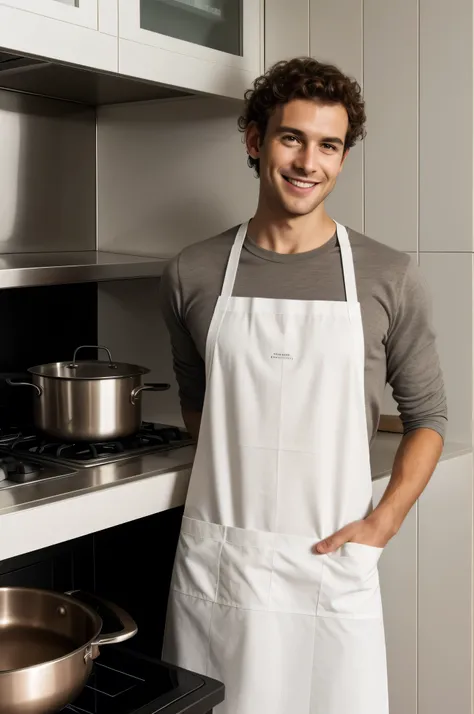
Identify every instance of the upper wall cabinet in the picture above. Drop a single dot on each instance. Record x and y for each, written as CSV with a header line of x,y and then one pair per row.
x,y
82,32
211,46
78,12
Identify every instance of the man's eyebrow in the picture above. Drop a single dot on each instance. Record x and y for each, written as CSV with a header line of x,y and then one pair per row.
x,y
292,130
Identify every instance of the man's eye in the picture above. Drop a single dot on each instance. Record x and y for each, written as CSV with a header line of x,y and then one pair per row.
x,y
330,147
289,138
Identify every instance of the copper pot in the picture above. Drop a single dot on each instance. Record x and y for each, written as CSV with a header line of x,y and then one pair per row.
x,y
48,642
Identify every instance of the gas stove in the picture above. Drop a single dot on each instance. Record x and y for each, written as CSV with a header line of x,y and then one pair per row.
x,y
26,455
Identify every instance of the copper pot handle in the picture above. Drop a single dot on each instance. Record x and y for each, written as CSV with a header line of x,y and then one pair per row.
x,y
129,629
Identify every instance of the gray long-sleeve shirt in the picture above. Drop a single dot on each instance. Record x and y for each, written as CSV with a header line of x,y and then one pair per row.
x,y
400,345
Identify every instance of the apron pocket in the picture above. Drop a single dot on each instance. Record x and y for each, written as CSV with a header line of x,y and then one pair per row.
x,y
245,570
196,564
350,583
297,575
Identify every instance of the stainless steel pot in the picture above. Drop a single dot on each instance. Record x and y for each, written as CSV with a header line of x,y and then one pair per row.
x,y
89,400
48,642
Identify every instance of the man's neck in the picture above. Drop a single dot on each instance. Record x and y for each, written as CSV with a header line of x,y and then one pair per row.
x,y
291,234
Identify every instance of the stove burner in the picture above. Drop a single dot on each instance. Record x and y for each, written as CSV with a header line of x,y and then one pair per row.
x,y
171,433
11,469
9,432
150,438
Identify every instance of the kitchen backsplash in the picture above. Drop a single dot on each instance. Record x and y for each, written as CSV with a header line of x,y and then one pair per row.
x,y
39,325
47,175
130,324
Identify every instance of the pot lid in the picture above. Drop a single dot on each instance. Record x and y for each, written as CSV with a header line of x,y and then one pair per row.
x,y
88,369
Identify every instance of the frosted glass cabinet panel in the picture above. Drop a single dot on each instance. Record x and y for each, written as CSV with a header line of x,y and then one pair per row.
x,y
216,24
211,46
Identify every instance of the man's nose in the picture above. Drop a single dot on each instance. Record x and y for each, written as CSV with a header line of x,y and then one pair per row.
x,y
306,161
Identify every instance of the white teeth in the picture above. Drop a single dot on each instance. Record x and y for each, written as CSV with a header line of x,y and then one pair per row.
x,y
300,184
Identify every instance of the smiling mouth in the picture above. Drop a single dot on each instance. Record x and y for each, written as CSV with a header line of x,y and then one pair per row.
x,y
298,183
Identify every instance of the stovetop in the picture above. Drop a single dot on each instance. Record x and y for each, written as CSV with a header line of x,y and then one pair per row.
x,y
126,682
26,455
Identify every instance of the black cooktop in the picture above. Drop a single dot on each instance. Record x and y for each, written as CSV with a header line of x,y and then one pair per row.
x,y
126,682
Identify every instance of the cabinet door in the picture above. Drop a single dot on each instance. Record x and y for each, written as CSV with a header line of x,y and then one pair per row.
x,y
32,33
78,12
398,583
192,43
445,590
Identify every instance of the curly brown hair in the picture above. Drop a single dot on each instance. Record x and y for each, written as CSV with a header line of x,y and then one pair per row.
x,y
302,78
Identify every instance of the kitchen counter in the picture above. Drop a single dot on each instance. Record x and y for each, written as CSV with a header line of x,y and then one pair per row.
x,y
54,510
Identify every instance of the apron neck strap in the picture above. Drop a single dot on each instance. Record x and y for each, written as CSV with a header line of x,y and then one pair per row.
x,y
347,264
233,262
346,255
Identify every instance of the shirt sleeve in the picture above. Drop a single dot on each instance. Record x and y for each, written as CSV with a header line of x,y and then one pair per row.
x,y
188,364
413,367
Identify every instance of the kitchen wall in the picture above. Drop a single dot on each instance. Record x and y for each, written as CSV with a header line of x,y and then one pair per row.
x,y
409,184
413,184
169,174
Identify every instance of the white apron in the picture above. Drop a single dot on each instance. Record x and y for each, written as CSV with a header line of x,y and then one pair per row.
x,y
282,462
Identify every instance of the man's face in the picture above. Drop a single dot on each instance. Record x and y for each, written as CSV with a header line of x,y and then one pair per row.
x,y
302,154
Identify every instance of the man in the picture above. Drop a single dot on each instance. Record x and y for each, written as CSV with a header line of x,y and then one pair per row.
x,y
284,333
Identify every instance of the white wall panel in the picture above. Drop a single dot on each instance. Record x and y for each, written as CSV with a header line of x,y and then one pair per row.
x,y
336,37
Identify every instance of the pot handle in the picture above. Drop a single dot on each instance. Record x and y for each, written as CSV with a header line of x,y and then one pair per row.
x,y
92,347
38,390
128,630
148,387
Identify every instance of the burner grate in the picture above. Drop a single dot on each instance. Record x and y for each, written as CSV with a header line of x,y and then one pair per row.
x,y
150,438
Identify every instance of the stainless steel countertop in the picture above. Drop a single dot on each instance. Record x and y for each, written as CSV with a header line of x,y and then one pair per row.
x,y
27,269
87,480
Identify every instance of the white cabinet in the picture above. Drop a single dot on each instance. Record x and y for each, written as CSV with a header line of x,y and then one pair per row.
x,y
426,581
201,46
398,582
77,12
80,32
445,573
211,46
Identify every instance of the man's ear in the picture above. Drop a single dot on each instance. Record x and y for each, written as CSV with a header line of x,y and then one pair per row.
x,y
252,140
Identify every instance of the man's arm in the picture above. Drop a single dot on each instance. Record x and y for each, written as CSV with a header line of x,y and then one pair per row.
x,y
415,461
192,420
414,372
188,364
